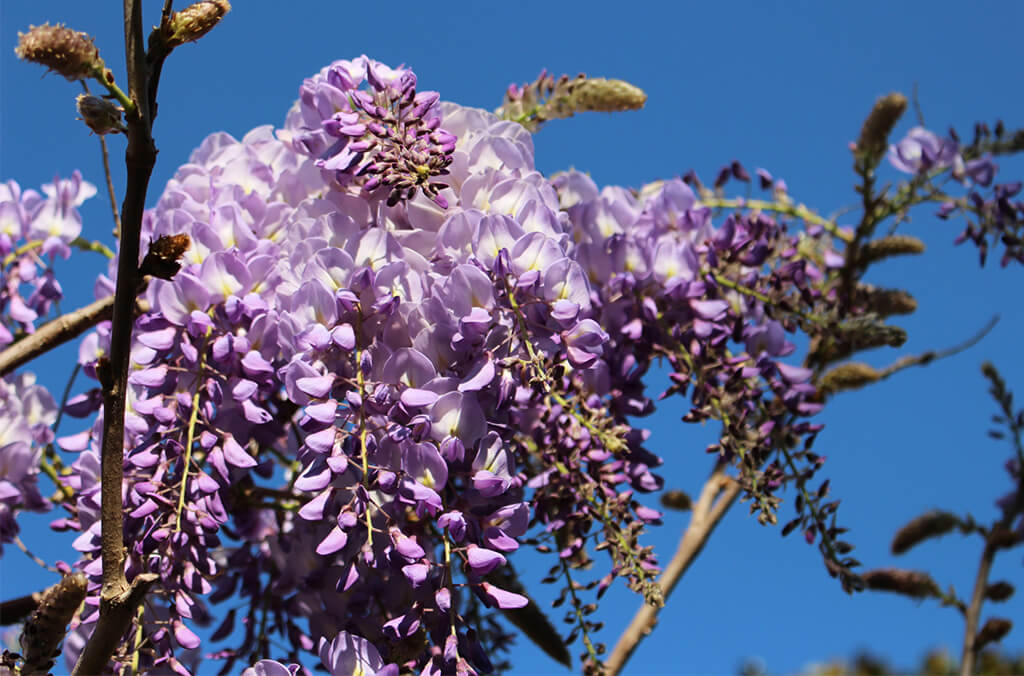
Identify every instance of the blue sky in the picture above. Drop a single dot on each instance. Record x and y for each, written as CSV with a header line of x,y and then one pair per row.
x,y
783,86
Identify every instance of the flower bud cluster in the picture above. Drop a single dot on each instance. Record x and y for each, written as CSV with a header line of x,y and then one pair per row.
x,y
386,135
994,218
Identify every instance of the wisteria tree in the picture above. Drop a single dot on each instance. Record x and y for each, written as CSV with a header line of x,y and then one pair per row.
x,y
349,370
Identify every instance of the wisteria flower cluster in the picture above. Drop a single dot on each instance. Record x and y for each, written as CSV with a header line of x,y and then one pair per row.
x,y
396,353
34,230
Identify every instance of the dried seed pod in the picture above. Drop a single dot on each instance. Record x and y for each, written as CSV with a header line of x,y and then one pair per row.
x,y
929,525
886,302
62,50
913,583
46,628
999,591
993,631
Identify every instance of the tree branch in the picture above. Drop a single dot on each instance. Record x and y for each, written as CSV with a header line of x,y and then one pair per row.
x,y
54,333
118,599
716,497
974,610
16,610
116,615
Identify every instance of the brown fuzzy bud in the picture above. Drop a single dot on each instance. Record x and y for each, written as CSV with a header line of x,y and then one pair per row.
x,y
1003,538
912,583
100,115
886,247
609,96
887,302
849,376
162,258
928,525
195,21
999,591
46,628
874,134
62,50
994,630
676,500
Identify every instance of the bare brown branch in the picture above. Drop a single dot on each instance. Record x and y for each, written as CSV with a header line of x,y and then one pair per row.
x,y
716,497
118,599
54,333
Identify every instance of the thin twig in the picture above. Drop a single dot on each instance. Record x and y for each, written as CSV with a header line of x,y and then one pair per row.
x,y
716,497
929,356
35,559
974,610
110,181
13,611
54,333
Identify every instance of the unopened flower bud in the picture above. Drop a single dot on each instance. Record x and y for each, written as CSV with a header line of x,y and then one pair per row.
x,y
928,525
100,115
874,134
62,50
608,96
913,583
195,21
676,499
850,376
999,591
162,258
886,302
993,631
47,626
886,247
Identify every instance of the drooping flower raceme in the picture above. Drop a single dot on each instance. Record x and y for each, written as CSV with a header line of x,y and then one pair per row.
x,y
394,349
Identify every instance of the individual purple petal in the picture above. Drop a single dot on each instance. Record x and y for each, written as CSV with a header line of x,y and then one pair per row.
x,y
151,377
480,376
324,412
417,398
497,597
482,561
255,414
350,655
236,455
314,509
185,637
416,573
406,546
794,374
322,441
317,386
334,541
268,668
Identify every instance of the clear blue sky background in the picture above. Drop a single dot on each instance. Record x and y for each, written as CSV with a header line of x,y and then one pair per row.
x,y
779,85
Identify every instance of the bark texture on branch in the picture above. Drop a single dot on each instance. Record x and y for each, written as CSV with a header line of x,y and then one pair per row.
x,y
54,333
716,497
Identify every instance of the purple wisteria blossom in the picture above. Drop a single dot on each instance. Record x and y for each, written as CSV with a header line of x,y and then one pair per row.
x,y
395,350
922,150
